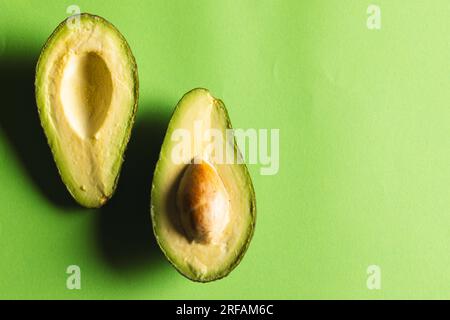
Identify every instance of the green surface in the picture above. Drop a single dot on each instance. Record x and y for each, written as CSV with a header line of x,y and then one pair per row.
x,y
364,149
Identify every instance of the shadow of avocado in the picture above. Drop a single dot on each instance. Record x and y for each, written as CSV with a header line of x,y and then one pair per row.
x,y
123,228
125,231
19,121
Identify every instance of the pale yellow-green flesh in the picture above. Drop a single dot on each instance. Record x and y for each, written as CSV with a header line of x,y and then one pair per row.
x,y
85,90
199,261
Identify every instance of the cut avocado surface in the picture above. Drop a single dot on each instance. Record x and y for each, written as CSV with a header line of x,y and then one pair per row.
x,y
87,92
203,206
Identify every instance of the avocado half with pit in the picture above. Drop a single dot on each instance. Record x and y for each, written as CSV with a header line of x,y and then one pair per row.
x,y
202,200
87,92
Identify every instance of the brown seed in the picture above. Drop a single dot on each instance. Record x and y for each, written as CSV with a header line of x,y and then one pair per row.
x,y
203,203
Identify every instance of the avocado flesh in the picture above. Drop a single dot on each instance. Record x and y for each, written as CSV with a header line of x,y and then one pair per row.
x,y
86,92
197,260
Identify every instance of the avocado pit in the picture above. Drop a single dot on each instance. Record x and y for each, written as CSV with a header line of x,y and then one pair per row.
x,y
203,203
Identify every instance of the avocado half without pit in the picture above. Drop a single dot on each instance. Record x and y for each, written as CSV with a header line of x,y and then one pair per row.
x,y
202,200
87,92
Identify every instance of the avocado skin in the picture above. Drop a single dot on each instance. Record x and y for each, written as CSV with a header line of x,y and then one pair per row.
x,y
131,119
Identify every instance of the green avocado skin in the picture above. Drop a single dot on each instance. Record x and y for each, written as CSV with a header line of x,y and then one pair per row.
x,y
193,276
41,107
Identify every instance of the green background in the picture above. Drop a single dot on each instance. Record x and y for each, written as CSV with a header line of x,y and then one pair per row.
x,y
364,119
